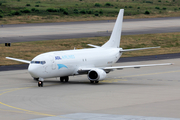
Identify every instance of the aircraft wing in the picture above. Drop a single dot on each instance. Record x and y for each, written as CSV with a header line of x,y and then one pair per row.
x,y
19,60
122,67
135,66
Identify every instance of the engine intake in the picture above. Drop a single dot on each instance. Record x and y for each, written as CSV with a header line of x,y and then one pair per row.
x,y
96,74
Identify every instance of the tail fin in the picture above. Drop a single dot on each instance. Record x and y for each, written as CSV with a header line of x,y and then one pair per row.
x,y
114,41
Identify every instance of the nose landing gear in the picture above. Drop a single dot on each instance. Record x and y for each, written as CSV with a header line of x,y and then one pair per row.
x,y
40,82
36,79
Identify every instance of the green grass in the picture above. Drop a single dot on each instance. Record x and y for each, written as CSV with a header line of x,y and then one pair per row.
x,y
108,9
169,42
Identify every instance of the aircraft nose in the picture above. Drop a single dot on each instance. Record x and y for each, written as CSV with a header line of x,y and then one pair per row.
x,y
33,70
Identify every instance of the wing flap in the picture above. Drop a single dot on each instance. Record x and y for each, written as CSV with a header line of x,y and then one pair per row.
x,y
19,60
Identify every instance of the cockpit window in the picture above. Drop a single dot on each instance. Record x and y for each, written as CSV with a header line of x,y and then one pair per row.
x,y
43,62
38,62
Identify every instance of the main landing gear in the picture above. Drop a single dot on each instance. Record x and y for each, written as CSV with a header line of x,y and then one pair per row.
x,y
64,79
92,81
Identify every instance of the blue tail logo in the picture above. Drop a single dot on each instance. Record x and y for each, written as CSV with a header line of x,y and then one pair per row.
x,y
61,66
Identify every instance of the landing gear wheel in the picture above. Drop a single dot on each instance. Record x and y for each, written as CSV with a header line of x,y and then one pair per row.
x,y
61,79
40,84
91,81
64,79
96,81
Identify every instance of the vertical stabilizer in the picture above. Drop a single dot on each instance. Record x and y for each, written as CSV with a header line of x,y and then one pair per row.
x,y
115,38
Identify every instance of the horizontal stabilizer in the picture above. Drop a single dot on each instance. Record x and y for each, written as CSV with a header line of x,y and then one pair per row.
x,y
95,46
19,60
128,50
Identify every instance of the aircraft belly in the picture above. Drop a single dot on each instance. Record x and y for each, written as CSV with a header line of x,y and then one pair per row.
x,y
64,70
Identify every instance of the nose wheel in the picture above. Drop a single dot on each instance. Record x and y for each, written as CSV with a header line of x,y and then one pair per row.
x,y
40,84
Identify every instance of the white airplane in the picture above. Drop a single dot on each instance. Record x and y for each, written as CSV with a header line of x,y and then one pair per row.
x,y
95,62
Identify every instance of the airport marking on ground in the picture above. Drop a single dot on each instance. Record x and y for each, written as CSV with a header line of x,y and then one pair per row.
x,y
20,109
124,78
150,74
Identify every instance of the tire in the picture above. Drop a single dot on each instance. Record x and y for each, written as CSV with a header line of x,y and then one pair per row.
x,y
61,79
66,79
40,84
96,81
91,81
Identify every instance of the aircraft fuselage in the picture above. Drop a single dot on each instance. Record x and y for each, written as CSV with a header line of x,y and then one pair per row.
x,y
67,63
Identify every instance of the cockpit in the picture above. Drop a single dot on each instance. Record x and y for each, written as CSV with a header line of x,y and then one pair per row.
x,y
38,62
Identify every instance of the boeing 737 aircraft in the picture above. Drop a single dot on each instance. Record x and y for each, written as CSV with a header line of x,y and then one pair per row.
x,y
95,62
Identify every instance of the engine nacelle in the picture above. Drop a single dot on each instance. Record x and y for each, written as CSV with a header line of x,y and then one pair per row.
x,y
96,74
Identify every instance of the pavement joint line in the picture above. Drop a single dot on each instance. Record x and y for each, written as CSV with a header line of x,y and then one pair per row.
x,y
113,80
37,113
8,89
22,72
150,74
16,111
121,78
11,111
24,110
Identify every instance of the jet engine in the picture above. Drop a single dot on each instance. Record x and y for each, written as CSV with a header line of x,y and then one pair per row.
x,y
96,74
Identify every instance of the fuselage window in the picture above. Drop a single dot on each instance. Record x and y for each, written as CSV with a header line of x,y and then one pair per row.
x,y
38,62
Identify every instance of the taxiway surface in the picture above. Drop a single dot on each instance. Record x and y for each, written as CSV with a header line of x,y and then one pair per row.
x,y
148,91
51,31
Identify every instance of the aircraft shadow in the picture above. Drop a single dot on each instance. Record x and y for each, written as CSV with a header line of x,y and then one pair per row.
x,y
58,83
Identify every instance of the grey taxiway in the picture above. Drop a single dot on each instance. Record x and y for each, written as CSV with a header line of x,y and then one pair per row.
x,y
145,93
51,31
149,93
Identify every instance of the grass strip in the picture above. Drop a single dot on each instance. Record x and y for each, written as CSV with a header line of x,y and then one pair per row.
x,y
38,11
169,42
